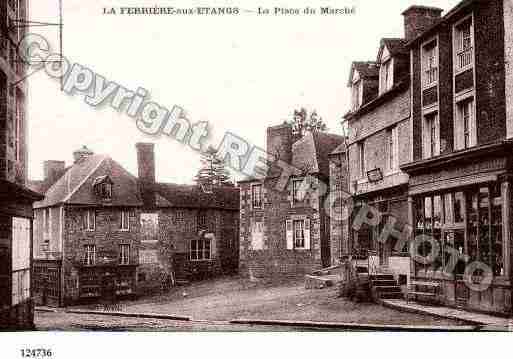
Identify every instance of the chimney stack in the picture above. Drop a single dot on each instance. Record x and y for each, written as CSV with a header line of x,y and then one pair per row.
x,y
53,170
279,144
146,172
82,154
418,19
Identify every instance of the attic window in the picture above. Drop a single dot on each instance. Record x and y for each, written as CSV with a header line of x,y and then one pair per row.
x,y
103,187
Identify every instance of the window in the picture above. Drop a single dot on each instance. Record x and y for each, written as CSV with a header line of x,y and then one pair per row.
x,y
465,125
386,76
90,220
125,221
179,217
256,195
200,249
430,63
361,159
392,148
20,260
90,255
464,43
357,94
106,190
124,254
297,193
19,121
299,234
443,216
47,221
431,137
202,219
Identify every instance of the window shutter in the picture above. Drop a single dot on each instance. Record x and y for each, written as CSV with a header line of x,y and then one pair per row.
x,y
213,246
307,233
290,235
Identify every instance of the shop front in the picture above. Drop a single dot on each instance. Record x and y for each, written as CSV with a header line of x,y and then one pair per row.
x,y
392,205
460,214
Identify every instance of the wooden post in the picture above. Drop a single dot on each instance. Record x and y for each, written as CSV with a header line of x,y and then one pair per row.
x,y
411,222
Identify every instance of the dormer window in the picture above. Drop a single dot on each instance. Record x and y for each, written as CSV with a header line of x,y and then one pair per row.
x,y
357,91
386,80
103,187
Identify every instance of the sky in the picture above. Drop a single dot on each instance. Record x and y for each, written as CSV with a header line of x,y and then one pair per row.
x,y
241,73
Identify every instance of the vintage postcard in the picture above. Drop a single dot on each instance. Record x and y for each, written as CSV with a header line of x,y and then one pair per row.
x,y
253,166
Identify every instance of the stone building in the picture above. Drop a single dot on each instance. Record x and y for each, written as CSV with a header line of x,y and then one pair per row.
x,y
101,231
196,231
287,232
378,143
86,230
462,133
16,301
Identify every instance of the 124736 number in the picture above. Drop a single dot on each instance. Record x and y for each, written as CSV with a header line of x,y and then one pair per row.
x,y
36,353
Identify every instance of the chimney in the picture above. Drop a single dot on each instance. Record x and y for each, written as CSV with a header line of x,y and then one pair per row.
x,y
279,144
53,170
418,19
146,172
82,154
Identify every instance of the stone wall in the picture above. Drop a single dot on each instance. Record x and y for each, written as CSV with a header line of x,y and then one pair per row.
x,y
272,259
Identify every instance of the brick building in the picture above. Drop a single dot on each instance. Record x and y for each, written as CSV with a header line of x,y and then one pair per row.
x,y
16,302
287,233
101,231
378,143
462,133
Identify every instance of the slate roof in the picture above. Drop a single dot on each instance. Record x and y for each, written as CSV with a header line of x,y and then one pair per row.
x,y
340,149
192,196
76,185
396,46
310,154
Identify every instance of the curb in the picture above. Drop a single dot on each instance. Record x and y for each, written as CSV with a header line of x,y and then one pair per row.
x,y
129,315
355,326
425,312
47,310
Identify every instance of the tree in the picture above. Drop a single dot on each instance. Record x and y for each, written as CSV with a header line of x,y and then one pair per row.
x,y
302,122
213,171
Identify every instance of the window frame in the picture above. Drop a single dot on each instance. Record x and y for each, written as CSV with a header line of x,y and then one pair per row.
x,y
296,190
90,254
301,223
256,204
427,65
124,254
124,220
458,45
361,159
357,92
90,213
202,250
460,132
392,149
386,74
431,144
